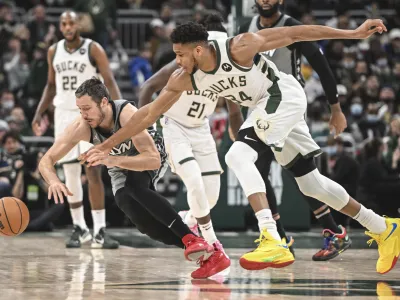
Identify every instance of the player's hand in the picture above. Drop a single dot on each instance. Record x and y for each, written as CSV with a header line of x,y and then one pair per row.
x,y
93,153
98,157
37,119
337,122
57,191
368,28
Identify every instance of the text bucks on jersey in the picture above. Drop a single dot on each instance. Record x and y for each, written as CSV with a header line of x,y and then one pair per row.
x,y
245,86
71,70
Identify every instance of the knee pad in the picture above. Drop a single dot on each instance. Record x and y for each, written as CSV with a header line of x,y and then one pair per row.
x,y
73,182
212,184
240,159
238,152
317,186
190,174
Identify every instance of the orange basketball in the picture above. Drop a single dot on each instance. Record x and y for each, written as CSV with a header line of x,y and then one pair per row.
x,y
14,216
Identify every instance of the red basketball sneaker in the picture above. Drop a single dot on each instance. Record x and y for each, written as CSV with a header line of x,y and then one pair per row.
x,y
217,264
196,248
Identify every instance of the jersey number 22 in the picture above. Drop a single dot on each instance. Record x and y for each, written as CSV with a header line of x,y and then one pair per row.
x,y
69,83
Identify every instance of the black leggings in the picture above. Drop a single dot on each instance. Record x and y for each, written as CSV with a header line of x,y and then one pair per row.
x,y
139,202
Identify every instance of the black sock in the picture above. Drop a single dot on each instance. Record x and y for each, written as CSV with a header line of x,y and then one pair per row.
x,y
326,220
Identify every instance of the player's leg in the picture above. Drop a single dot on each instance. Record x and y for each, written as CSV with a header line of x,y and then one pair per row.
x,y
313,184
72,173
144,221
241,159
205,153
96,198
139,186
263,164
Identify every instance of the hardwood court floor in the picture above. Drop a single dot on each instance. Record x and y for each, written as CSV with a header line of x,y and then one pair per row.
x,y
37,266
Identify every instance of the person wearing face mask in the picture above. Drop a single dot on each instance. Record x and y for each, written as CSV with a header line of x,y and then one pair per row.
x,y
288,60
7,103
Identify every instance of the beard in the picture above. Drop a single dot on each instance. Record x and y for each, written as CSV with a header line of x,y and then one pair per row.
x,y
267,13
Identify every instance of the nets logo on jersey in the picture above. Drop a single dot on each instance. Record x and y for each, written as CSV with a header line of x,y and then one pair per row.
x,y
226,67
70,66
121,148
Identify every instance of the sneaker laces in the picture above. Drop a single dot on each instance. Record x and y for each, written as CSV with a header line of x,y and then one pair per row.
x,y
374,237
264,239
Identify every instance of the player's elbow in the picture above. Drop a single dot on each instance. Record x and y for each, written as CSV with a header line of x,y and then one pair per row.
x,y
45,163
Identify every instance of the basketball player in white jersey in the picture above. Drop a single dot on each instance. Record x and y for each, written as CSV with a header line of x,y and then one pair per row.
x,y
192,152
226,68
72,61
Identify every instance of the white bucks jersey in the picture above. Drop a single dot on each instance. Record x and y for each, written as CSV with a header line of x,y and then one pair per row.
x,y
71,70
245,86
192,109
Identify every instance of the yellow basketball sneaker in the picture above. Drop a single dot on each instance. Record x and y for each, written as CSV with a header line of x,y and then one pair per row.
x,y
388,245
269,253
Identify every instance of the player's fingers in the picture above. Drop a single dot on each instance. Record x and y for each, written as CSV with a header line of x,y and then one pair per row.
x,y
94,157
69,193
49,194
60,195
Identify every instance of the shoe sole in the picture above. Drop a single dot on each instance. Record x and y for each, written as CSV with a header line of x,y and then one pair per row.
x,y
251,265
88,238
393,264
333,256
202,254
101,246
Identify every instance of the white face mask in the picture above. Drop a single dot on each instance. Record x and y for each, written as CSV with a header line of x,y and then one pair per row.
x,y
8,104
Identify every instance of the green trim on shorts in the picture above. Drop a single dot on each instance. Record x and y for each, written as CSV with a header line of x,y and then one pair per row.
x,y
211,173
275,97
186,160
298,156
277,149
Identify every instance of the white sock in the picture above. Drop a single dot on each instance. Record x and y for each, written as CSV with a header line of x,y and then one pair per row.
x,y
189,220
208,232
99,220
370,220
78,217
266,221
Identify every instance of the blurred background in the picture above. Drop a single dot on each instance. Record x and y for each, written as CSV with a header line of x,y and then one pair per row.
x,y
136,38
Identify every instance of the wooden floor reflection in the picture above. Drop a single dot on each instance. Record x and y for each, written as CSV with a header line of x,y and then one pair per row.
x,y
39,267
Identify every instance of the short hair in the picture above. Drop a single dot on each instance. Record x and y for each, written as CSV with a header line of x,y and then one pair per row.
x,y
12,135
213,22
189,33
94,88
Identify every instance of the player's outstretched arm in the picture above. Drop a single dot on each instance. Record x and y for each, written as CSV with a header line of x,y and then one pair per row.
x,y
246,45
156,83
73,134
101,59
147,115
49,92
148,157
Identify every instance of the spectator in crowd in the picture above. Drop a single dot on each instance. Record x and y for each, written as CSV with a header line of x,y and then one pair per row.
x,y
4,128
344,170
7,103
393,48
40,29
98,13
140,67
6,25
161,46
12,162
379,187
218,121
36,81
18,122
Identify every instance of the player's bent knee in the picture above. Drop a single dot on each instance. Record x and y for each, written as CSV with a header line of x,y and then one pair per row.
x,y
212,185
315,185
72,173
240,153
94,175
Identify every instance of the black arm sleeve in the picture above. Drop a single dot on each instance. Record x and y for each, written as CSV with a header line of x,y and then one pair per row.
x,y
318,62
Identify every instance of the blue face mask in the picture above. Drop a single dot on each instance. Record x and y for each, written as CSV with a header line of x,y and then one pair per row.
x,y
331,150
356,109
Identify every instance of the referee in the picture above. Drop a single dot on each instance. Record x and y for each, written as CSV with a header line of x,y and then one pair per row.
x,y
288,60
